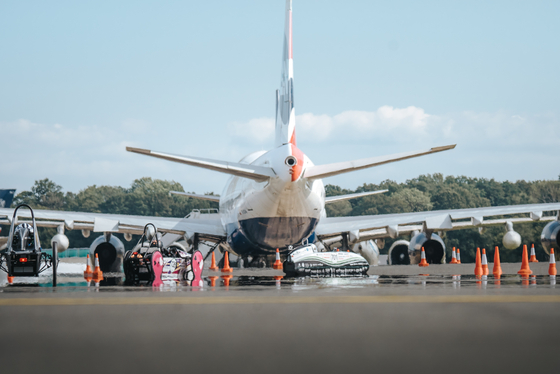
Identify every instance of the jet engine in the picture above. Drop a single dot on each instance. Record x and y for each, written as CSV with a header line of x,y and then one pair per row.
x,y
550,237
60,239
433,246
511,239
368,250
398,253
110,251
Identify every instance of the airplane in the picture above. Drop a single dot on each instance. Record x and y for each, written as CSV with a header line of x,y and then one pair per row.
x,y
6,197
276,200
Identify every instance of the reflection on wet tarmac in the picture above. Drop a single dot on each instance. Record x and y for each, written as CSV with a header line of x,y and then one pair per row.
x,y
245,282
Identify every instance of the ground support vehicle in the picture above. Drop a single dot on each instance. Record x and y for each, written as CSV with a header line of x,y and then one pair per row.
x,y
151,264
23,256
306,260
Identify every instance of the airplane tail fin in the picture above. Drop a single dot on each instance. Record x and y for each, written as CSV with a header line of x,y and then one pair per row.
x,y
285,115
6,197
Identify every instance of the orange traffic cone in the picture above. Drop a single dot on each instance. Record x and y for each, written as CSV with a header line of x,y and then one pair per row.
x,y
484,262
423,261
497,271
453,257
533,257
277,264
458,256
213,265
478,266
10,280
552,264
525,270
226,268
88,274
97,273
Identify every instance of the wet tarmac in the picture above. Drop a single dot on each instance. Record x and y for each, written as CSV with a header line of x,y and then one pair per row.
x,y
256,321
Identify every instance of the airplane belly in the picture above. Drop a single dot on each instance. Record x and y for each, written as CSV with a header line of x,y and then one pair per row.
x,y
269,233
261,236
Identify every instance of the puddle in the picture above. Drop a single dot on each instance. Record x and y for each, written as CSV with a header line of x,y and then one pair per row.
x,y
70,279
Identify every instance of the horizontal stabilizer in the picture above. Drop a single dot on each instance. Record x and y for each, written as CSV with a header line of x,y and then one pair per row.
x,y
332,199
329,170
257,173
203,197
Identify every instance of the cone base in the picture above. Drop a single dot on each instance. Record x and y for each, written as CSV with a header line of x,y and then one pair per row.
x,y
97,277
525,272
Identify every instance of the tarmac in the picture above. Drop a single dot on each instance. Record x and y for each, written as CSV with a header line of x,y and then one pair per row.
x,y
393,320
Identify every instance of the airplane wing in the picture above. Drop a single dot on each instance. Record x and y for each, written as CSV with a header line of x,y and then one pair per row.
x,y
257,173
329,170
391,225
208,226
196,196
332,199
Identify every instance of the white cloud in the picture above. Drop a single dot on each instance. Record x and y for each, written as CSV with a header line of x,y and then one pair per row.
x,y
350,125
501,145
257,130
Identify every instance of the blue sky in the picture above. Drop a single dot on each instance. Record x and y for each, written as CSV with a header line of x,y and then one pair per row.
x,y
80,81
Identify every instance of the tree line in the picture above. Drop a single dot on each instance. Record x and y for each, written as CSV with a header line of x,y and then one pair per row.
x,y
151,197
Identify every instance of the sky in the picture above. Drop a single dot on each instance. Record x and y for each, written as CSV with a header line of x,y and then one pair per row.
x,y
80,81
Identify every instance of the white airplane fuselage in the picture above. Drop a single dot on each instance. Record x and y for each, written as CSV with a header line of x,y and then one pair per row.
x,y
262,216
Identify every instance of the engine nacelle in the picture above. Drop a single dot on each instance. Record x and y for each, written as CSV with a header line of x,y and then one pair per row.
x,y
110,251
511,239
398,253
434,247
550,237
62,242
368,250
